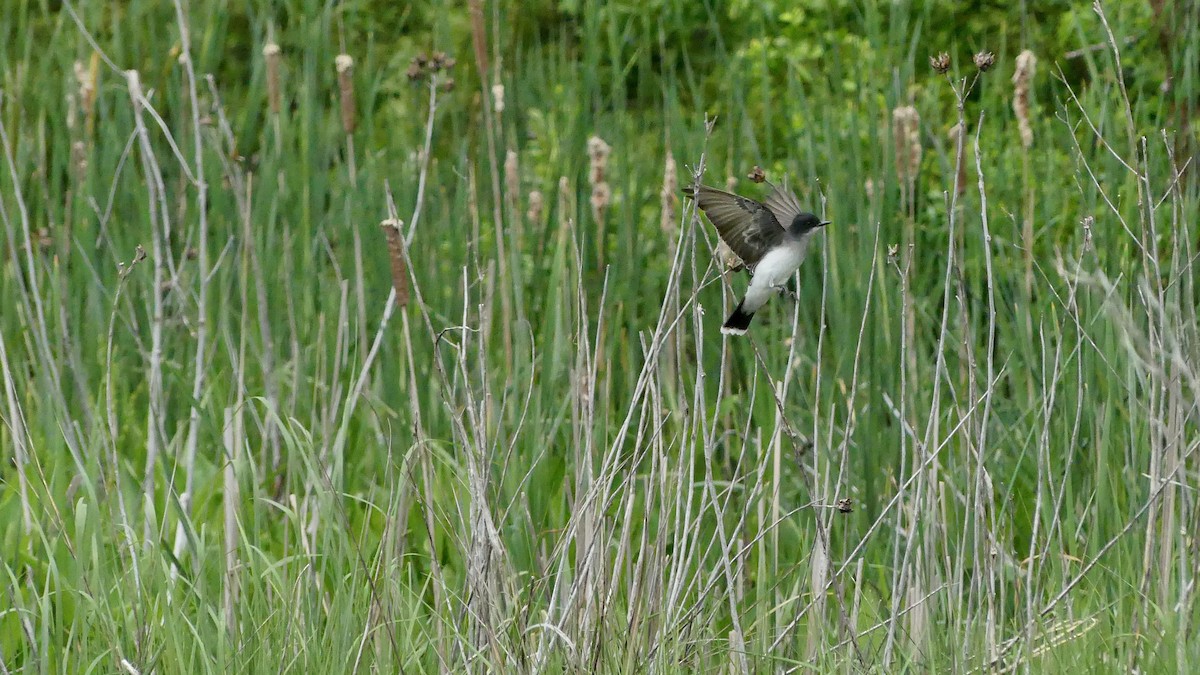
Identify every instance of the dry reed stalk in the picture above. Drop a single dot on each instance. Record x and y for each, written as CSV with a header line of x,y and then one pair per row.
x,y
960,176
156,405
669,198
271,53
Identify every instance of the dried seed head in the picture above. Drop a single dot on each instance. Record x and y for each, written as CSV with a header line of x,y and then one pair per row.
x,y
1026,66
984,60
415,70
441,61
395,243
536,205
906,132
845,505
601,198
940,63
271,53
598,152
448,84
345,69
756,174
498,98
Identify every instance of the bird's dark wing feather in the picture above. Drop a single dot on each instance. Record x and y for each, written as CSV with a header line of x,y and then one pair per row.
x,y
783,203
748,227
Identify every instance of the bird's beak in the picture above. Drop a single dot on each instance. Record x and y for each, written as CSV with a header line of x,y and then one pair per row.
x,y
823,223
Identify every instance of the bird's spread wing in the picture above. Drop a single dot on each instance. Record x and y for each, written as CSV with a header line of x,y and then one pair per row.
x,y
748,227
783,204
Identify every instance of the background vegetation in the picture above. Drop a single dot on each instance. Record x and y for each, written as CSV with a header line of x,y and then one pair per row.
x,y
247,429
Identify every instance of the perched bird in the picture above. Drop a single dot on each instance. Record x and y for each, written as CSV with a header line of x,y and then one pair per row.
x,y
771,238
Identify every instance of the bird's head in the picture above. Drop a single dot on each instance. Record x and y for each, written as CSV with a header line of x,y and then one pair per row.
x,y
805,223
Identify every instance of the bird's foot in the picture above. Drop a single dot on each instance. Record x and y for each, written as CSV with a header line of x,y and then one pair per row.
x,y
790,292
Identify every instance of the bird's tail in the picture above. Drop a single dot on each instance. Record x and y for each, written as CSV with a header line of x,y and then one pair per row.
x,y
739,321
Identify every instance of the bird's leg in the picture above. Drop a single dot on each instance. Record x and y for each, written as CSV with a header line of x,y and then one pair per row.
x,y
790,288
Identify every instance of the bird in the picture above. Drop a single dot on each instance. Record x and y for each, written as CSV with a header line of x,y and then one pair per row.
x,y
771,237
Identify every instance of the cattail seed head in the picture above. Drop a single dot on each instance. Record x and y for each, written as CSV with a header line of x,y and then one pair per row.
x,y
536,206
598,152
271,53
940,63
391,228
906,133
345,71
984,60
1026,66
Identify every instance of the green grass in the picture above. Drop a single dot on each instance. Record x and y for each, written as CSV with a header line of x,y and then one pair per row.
x,y
240,453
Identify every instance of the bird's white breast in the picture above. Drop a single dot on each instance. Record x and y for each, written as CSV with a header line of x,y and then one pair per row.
x,y
779,264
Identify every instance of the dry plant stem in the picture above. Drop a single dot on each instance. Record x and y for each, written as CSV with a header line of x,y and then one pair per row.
x,y
983,497
424,171
126,525
232,437
154,425
479,41
240,183
201,322
345,74
931,438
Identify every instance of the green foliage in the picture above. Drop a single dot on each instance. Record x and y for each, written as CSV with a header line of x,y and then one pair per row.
x,y
550,459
